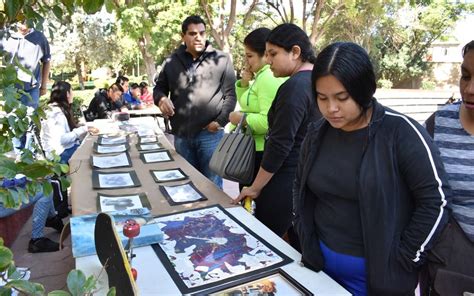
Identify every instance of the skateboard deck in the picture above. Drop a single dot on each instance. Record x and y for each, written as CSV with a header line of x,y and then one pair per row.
x,y
112,256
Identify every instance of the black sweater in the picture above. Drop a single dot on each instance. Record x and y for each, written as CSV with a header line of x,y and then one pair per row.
x,y
202,91
402,191
291,111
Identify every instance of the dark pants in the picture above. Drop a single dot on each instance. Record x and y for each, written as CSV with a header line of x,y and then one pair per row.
x,y
275,203
450,264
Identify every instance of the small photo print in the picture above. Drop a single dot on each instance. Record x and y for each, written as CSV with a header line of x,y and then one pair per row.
x,y
168,175
150,146
159,156
146,133
116,140
104,149
114,161
148,139
113,180
180,194
267,283
121,202
111,204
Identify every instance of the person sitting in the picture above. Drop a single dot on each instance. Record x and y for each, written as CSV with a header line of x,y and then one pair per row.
x,y
59,131
103,103
132,97
44,215
146,96
123,81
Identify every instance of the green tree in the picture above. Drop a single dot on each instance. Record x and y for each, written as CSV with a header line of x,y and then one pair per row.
x,y
86,42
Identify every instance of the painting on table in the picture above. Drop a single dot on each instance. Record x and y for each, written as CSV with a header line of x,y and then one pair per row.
x,y
114,180
108,203
168,175
159,156
208,247
181,194
111,161
273,282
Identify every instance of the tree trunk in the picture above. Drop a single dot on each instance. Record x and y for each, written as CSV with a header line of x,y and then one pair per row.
x,y
148,59
78,64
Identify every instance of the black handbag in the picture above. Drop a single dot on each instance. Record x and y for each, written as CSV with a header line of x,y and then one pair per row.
x,y
234,157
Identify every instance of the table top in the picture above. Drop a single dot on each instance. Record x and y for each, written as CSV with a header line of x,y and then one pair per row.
x,y
84,197
153,279
150,110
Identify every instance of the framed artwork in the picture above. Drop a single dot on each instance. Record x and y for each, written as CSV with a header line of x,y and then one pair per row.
x,y
146,133
273,282
114,180
150,146
112,161
181,194
158,156
112,203
112,140
208,247
82,230
168,175
104,149
147,139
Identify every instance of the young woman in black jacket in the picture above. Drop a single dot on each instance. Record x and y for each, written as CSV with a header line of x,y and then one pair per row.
x,y
370,190
289,53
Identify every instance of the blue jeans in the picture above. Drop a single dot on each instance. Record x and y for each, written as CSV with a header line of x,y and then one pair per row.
x,y
67,154
26,139
44,209
34,92
198,152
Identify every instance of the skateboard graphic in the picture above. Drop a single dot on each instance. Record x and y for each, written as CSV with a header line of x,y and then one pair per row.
x,y
112,254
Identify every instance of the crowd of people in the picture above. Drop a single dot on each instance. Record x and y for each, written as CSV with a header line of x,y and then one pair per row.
x,y
368,195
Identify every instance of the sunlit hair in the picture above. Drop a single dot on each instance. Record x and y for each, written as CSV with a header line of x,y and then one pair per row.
x,y
289,35
116,87
59,93
121,80
351,65
467,47
256,39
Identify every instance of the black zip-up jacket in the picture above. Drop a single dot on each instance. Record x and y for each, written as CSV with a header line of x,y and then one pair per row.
x,y
403,192
100,107
201,91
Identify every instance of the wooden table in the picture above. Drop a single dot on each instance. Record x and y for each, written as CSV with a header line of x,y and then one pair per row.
x,y
84,198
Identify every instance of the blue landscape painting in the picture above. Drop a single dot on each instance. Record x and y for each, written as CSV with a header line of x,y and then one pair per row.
x,y
82,230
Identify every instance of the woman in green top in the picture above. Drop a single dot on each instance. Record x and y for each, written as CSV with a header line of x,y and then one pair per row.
x,y
255,91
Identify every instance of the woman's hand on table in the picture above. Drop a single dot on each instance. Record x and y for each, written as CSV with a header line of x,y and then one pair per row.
x,y
93,130
251,192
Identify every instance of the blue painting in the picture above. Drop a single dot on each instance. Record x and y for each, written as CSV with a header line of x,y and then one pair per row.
x,y
207,245
82,230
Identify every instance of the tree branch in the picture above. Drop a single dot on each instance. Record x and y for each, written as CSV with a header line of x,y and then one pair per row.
x,y
249,12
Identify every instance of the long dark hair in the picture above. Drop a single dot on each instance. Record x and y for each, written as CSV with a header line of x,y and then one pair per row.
x,y
351,65
289,35
256,39
59,94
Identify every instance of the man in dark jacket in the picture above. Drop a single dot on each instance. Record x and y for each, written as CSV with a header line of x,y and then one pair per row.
x,y
103,103
200,82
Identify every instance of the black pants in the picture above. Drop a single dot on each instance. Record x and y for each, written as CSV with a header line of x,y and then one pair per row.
x,y
274,206
450,264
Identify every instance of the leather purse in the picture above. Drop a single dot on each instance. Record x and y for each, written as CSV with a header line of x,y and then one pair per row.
x,y
234,157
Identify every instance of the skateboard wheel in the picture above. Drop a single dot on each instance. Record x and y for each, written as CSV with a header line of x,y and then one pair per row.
x,y
131,228
134,274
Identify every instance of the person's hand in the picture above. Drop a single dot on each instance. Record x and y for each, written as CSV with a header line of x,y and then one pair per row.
x,y
213,127
251,192
166,106
234,117
93,130
246,75
43,91
124,109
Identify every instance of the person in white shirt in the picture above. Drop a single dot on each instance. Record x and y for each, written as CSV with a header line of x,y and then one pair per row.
x,y
60,134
